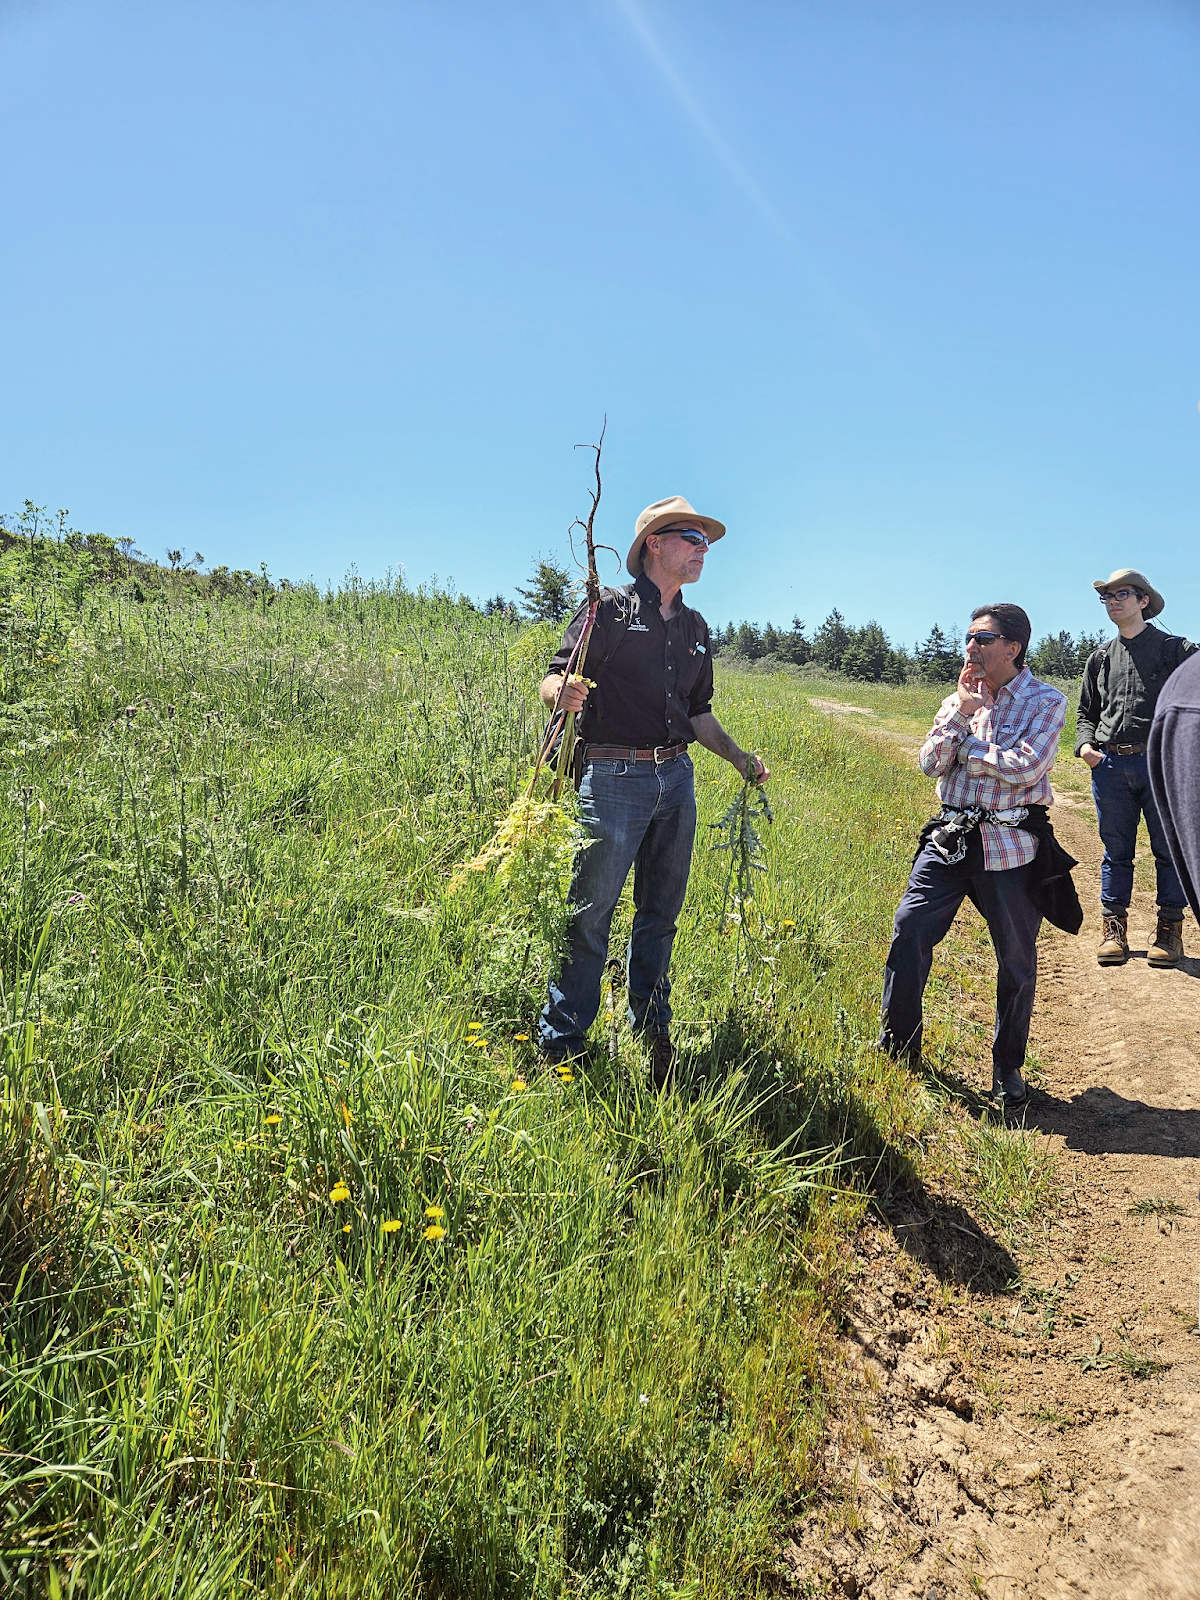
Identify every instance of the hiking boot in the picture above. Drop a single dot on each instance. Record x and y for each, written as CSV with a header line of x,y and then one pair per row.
x,y
1167,949
662,1061
1114,952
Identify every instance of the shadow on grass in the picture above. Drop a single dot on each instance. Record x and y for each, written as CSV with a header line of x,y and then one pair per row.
x,y
798,1100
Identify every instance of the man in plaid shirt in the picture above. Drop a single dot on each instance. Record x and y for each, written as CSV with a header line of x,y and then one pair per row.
x,y
992,745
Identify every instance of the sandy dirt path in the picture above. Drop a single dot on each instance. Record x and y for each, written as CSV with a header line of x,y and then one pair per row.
x,y
1042,1442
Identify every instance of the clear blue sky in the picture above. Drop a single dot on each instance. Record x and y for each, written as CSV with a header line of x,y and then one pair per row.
x,y
904,293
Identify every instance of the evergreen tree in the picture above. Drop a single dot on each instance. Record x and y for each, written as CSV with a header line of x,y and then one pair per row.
x,y
866,655
831,641
938,659
552,593
1058,655
747,641
795,647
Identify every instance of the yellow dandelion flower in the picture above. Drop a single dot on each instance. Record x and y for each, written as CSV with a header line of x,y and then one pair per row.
x,y
566,1076
338,1193
518,1084
480,1044
391,1226
475,1027
522,1038
433,1233
435,1212
347,1115
272,1121
349,1228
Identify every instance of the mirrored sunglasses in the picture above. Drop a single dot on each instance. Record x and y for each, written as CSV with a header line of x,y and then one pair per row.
x,y
690,536
982,637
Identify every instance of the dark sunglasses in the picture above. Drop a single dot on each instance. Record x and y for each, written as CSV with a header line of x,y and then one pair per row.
x,y
1119,594
983,637
699,540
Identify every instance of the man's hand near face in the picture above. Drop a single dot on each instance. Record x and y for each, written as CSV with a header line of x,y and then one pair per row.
x,y
970,689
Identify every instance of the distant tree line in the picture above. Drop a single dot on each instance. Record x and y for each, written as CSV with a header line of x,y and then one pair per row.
x,y
868,654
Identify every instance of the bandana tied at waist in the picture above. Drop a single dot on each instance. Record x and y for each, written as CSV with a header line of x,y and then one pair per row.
x,y
950,831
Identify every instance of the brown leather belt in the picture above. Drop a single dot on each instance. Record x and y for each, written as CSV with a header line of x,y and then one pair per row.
x,y
1124,749
624,752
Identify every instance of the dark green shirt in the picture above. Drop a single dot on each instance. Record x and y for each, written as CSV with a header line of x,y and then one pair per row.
x,y
1121,683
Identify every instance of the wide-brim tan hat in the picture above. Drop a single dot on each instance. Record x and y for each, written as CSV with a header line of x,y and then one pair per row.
x,y
1133,580
661,515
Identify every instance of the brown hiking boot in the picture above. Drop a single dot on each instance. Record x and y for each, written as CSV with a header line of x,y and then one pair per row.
x,y
1114,952
662,1061
1167,949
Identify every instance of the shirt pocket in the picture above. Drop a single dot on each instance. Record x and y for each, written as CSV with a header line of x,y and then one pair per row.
x,y
690,664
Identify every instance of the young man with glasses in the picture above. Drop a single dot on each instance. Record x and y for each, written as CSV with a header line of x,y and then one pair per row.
x,y
651,660
991,746
1121,685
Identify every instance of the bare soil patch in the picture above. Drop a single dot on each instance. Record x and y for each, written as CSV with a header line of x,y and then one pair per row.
x,y
1040,1439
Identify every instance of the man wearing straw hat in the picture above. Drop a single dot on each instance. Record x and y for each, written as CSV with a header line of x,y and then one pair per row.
x,y
1121,685
651,662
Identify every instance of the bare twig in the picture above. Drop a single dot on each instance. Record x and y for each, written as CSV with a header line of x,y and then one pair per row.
x,y
575,666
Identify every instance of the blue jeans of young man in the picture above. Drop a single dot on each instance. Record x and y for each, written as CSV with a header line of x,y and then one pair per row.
x,y
1121,790
923,918
638,814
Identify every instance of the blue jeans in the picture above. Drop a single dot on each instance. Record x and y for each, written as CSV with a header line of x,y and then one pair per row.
x,y
1121,790
636,814
930,903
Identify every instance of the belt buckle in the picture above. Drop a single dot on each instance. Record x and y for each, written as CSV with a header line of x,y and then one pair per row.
x,y
658,760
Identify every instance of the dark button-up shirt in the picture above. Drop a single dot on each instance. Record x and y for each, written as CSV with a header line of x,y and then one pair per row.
x,y
1121,684
652,677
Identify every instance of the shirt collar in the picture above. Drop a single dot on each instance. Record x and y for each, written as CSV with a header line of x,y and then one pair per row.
x,y
1019,686
649,595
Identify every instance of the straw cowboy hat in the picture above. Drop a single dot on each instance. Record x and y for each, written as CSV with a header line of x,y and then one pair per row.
x,y
661,515
1133,580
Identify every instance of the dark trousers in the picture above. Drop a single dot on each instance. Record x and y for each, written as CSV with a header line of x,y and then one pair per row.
x,y
1121,790
923,918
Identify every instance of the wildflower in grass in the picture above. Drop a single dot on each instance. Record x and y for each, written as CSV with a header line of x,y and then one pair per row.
x,y
522,1038
643,1399
273,1120
338,1193
391,1226
518,1084
434,1212
565,1075
347,1115
349,1228
475,1027
433,1233
480,1044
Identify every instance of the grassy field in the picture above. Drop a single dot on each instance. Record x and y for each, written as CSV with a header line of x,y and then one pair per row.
x,y
309,1283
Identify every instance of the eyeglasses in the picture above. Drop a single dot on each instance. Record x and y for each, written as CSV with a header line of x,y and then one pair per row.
x,y
982,637
1119,594
699,540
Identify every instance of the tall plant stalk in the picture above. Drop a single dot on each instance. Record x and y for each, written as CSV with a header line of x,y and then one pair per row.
x,y
560,719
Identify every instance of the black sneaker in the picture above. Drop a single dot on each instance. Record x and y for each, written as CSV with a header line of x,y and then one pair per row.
x,y
662,1061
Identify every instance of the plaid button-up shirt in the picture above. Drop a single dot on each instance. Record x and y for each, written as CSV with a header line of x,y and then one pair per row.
x,y
999,758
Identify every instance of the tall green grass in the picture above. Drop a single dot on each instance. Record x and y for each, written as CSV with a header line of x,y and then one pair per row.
x,y
310,1286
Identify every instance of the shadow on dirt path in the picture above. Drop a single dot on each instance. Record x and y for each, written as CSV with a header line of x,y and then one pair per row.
x,y
1045,1441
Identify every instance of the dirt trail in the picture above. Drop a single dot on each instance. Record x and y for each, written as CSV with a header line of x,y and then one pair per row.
x,y
1043,1442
